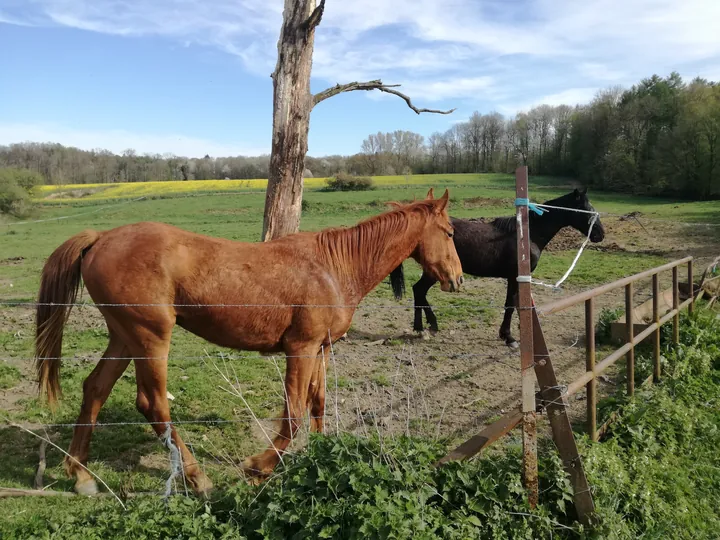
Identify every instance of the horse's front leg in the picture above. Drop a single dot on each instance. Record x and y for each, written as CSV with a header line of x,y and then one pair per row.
x,y
301,363
420,290
316,393
510,302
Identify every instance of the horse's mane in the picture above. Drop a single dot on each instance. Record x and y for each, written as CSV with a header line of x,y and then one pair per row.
x,y
509,223
367,240
505,224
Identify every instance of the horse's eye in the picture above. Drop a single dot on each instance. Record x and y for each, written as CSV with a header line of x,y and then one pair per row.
x,y
450,234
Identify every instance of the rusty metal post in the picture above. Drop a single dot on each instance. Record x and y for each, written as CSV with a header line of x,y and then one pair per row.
x,y
691,290
525,305
591,387
656,320
676,304
629,329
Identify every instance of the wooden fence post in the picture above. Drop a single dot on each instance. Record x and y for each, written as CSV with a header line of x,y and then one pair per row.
x,y
590,367
676,304
629,328
691,290
525,306
656,320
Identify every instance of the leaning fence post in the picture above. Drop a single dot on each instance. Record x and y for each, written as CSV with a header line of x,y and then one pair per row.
x,y
525,305
676,306
629,329
590,367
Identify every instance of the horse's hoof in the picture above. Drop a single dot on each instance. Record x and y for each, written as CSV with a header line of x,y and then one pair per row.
x,y
87,488
513,344
255,471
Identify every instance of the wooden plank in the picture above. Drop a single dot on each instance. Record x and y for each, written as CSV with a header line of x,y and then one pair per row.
x,y
591,387
560,423
525,310
630,355
485,438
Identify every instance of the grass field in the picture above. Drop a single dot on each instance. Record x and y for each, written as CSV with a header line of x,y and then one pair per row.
x,y
372,368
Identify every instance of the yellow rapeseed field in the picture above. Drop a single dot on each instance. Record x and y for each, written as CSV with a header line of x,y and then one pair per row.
x,y
131,190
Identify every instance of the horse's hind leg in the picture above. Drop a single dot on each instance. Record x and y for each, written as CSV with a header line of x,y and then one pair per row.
x,y
152,402
96,389
510,302
420,290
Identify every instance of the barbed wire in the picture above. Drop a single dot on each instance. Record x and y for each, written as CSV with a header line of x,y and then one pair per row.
x,y
319,306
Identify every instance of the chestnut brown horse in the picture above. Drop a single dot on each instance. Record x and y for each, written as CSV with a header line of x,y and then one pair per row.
x,y
295,295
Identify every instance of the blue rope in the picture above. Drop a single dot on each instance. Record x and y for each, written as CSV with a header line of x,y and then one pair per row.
x,y
526,202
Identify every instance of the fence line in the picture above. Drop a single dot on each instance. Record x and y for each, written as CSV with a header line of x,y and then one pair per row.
x,y
318,306
11,223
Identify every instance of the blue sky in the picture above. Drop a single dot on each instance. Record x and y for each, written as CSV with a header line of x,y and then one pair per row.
x,y
191,77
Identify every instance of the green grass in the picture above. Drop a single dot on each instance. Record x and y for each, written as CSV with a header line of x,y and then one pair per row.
x,y
130,457
656,475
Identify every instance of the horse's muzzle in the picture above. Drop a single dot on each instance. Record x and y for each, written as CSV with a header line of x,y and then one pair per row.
x,y
452,285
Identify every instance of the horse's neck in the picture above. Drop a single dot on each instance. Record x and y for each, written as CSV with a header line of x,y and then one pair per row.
x,y
544,228
375,255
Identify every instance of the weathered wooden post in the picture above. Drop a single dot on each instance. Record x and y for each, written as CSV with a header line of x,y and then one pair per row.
x,y
676,306
591,386
629,329
656,320
691,290
525,305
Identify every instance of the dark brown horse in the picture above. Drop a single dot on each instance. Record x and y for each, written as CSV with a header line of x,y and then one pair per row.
x,y
295,295
489,249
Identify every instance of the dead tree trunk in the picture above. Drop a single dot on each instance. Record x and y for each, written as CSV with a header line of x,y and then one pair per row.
x,y
292,104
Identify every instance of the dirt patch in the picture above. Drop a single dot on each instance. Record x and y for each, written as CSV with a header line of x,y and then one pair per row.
x,y
485,202
12,261
228,212
74,193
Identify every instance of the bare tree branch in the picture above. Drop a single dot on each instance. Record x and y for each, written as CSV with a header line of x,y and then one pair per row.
x,y
372,85
314,19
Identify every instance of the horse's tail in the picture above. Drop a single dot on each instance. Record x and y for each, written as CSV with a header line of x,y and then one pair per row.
x,y
59,286
397,282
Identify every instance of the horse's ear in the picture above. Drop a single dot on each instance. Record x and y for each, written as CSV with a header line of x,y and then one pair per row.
x,y
584,190
430,196
443,202
577,193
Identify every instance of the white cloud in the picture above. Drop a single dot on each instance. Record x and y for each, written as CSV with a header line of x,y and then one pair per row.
x,y
118,140
571,97
462,49
600,72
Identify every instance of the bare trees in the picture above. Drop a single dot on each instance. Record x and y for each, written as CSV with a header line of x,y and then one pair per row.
x,y
392,153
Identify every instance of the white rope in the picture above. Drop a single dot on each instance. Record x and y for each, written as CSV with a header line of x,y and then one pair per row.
x,y
581,211
175,459
575,260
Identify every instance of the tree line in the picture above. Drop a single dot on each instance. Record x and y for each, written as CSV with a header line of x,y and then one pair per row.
x,y
661,136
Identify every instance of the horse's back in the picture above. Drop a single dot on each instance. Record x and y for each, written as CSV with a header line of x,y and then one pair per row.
x,y
484,250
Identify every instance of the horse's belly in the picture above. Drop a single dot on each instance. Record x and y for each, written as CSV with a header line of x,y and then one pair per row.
x,y
249,331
